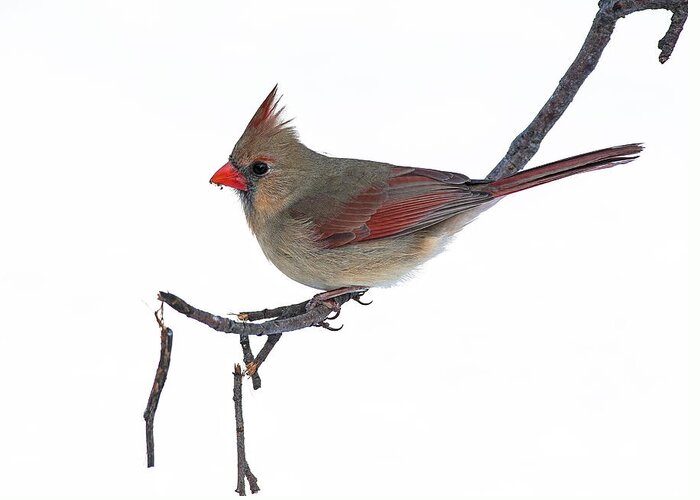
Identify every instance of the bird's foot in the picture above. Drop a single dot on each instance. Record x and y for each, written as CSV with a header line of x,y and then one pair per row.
x,y
327,326
329,303
357,297
328,298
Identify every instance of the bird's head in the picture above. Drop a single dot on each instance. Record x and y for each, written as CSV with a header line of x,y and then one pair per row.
x,y
265,160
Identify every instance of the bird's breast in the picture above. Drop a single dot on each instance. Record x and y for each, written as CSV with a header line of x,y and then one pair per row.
x,y
289,244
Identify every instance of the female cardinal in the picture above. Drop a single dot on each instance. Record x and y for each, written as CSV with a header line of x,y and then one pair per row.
x,y
340,224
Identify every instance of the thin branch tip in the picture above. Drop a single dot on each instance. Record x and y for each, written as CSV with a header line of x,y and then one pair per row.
x,y
527,143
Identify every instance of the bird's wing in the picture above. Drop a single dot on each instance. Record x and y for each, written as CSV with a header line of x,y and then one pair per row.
x,y
409,200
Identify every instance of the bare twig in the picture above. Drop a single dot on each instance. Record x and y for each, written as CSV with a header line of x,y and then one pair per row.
x,y
243,467
281,313
166,346
248,359
302,319
253,364
526,144
265,351
275,312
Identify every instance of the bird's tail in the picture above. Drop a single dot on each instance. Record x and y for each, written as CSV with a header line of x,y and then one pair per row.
x,y
595,160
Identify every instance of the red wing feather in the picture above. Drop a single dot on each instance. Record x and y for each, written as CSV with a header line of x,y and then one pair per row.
x,y
411,200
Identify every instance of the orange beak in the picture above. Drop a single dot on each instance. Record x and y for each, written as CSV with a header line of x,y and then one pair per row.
x,y
228,175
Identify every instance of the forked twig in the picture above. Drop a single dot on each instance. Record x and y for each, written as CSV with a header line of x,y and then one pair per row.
x,y
296,317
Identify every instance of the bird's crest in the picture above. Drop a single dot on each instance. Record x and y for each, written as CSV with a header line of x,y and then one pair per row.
x,y
268,120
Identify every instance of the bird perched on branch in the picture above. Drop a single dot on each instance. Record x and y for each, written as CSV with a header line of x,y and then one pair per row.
x,y
341,224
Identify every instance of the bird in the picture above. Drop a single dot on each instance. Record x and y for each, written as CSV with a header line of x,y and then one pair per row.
x,y
343,225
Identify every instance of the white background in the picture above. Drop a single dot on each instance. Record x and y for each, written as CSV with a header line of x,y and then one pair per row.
x,y
545,353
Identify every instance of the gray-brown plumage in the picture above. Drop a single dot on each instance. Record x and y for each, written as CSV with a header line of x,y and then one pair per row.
x,y
336,222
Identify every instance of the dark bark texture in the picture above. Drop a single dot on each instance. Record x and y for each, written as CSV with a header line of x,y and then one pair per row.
x,y
243,468
166,347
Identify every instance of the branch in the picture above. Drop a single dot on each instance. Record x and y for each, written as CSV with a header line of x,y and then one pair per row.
x,y
262,355
166,346
248,359
300,319
283,312
243,467
525,145
275,312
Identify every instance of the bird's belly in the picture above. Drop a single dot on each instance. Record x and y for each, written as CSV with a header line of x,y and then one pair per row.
x,y
373,263
289,243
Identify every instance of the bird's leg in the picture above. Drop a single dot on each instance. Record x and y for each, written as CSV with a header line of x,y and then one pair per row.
x,y
326,298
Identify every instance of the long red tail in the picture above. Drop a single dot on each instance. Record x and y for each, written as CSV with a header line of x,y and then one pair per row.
x,y
595,160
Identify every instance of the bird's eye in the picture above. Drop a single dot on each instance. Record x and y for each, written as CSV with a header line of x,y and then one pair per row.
x,y
259,168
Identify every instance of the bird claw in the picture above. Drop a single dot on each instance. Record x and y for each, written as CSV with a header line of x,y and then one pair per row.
x,y
327,298
357,299
324,324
